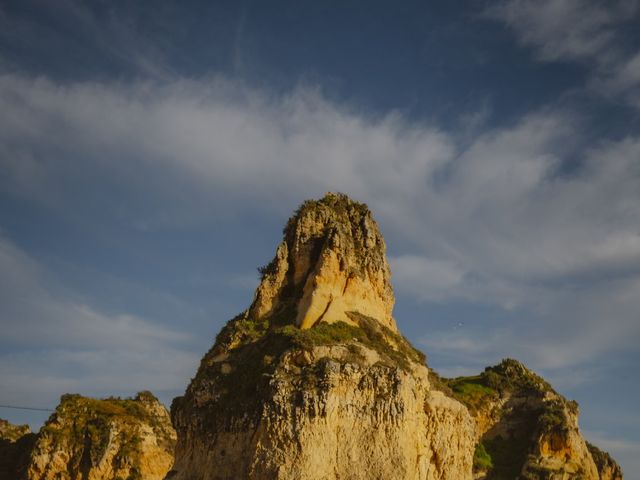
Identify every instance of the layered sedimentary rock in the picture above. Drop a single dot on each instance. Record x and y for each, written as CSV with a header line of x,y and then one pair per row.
x,y
313,381
111,439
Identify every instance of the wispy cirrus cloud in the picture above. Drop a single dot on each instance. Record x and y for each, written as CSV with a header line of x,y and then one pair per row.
x,y
589,32
498,221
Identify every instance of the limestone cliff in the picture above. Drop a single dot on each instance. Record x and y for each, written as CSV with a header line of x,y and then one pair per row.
x,y
313,381
526,429
111,439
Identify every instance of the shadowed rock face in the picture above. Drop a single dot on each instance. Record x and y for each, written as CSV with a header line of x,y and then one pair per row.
x,y
607,466
16,443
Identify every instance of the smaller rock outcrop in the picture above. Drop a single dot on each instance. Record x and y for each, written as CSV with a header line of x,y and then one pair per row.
x,y
16,442
108,439
526,429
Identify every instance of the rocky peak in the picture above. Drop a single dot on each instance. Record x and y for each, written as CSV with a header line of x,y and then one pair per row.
x,y
314,380
331,263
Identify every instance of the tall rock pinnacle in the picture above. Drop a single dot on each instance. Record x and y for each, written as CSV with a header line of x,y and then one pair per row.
x,y
331,263
314,381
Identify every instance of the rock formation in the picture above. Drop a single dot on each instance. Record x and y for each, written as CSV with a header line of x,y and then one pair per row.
x,y
608,469
111,439
526,429
16,442
331,261
314,381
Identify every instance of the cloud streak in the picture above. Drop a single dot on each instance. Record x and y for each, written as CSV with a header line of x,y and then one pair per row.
x,y
583,31
497,221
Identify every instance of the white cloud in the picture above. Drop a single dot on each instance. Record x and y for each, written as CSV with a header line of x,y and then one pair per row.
x,y
493,219
586,31
426,279
561,29
497,221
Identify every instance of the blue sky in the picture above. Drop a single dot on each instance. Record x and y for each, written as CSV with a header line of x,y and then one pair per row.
x,y
150,153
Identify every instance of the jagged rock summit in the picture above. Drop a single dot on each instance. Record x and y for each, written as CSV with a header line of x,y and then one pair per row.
x,y
331,262
314,382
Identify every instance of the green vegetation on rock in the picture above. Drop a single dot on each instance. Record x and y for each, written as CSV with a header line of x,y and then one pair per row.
x,y
508,377
553,418
472,391
481,458
524,406
338,204
247,353
393,349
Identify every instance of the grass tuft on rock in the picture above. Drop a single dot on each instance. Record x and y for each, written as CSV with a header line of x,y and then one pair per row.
x,y
481,458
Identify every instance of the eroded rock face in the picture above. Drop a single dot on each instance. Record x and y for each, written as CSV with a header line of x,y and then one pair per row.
x,y
323,412
314,381
332,261
107,439
11,432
